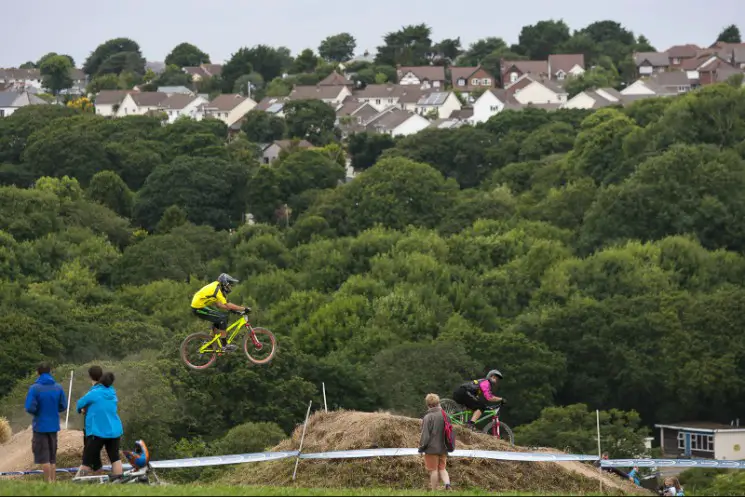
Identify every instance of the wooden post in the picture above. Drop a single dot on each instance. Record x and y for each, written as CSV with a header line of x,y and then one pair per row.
x,y
302,438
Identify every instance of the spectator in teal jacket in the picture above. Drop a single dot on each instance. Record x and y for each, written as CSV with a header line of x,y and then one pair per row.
x,y
103,428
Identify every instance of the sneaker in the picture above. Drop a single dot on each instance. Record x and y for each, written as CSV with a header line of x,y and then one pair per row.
x,y
448,487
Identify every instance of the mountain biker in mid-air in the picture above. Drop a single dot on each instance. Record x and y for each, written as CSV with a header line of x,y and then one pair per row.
x,y
475,394
209,299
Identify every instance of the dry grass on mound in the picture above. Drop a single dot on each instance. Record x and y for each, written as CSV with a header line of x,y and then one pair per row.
x,y
5,431
349,430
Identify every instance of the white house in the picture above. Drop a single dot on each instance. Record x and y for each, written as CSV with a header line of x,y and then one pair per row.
x,y
10,101
107,102
490,103
650,62
646,87
397,122
271,152
423,76
537,92
444,103
180,105
561,66
703,440
229,108
139,103
594,99
383,96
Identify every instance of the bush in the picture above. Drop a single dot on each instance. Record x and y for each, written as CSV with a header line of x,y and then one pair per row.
x,y
5,431
249,437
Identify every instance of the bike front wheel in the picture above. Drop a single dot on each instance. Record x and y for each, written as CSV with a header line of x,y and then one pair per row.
x,y
262,349
505,432
191,355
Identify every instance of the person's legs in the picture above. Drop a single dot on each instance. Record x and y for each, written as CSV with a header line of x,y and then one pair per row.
x,y
112,450
92,455
430,464
434,479
218,319
41,448
52,457
443,473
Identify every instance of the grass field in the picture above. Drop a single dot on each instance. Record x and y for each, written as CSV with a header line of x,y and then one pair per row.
x,y
14,488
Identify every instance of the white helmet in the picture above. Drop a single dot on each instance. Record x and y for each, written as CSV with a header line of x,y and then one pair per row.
x,y
494,372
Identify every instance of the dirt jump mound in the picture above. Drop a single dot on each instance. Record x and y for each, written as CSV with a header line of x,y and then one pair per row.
x,y
16,455
349,430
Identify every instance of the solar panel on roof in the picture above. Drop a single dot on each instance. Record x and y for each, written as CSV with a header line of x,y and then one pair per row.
x,y
436,98
274,108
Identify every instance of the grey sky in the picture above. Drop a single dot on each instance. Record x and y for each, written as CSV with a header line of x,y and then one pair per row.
x,y
32,28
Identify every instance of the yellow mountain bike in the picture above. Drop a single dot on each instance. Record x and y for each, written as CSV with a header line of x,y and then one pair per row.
x,y
200,350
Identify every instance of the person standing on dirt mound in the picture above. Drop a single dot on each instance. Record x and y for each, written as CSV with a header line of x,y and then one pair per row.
x,y
45,400
475,395
432,443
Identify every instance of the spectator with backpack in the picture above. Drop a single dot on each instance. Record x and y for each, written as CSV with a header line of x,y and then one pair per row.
x,y
438,438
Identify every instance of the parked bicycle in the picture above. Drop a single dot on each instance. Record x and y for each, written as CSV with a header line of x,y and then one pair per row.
x,y
491,424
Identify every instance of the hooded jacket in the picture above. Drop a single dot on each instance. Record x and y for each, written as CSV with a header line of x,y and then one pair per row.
x,y
45,400
101,418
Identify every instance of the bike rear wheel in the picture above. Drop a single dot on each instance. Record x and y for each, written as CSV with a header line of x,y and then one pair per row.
x,y
263,352
190,351
505,432
455,411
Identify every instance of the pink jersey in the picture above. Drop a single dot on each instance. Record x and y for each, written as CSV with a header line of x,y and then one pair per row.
x,y
485,386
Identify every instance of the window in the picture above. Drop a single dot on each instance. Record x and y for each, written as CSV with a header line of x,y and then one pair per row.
x,y
560,75
436,84
486,82
683,89
699,441
2,112
494,108
676,60
475,82
390,100
513,77
461,82
377,101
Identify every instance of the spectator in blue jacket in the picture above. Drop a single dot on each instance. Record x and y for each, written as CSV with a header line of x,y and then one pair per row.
x,y
45,400
103,428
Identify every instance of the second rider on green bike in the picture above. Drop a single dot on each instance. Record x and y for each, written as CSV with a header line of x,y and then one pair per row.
x,y
476,394
212,296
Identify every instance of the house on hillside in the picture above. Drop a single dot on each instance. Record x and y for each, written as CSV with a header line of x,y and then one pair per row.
x,y
677,54
443,103
702,440
107,102
512,70
672,81
140,103
491,103
561,66
595,99
335,79
386,95
397,122
647,87
530,90
272,105
171,90
651,62
332,95
181,105
271,151
469,79
204,71
11,101
228,108
423,76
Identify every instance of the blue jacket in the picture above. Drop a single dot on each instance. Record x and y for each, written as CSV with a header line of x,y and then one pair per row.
x,y
101,419
45,400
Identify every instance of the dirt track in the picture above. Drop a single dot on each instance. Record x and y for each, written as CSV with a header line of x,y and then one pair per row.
x,y
16,455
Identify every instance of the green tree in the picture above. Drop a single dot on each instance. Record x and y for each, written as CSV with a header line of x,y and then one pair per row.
x,y
115,56
240,63
366,148
173,217
186,54
211,191
306,61
541,39
407,47
573,429
55,73
730,34
261,127
108,188
312,120
337,48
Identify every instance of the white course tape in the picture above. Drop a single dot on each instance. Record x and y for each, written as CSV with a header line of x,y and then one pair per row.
x,y
670,463
199,462
353,454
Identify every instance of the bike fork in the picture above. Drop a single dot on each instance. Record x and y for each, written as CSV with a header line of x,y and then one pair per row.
x,y
255,340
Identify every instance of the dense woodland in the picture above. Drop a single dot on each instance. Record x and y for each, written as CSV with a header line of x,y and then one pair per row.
x,y
595,258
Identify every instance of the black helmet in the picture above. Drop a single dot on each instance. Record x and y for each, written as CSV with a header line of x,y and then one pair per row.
x,y
226,282
493,372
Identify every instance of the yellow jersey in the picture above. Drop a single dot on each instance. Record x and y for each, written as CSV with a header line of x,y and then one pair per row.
x,y
208,295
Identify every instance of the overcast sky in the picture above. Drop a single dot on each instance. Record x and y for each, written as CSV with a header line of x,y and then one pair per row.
x,y
31,28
